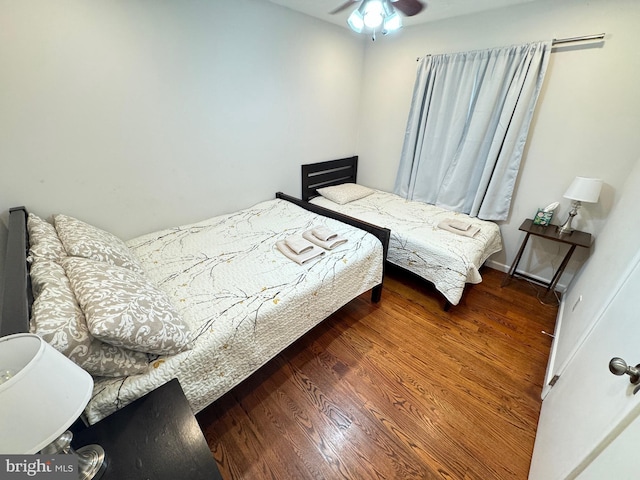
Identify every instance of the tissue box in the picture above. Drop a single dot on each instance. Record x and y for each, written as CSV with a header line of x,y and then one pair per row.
x,y
543,218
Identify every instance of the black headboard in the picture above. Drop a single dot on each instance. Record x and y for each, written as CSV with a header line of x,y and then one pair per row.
x,y
17,297
327,174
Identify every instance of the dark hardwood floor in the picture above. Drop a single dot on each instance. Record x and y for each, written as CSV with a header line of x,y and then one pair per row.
x,y
396,390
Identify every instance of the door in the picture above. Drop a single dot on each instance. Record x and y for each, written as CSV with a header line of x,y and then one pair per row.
x,y
589,406
618,457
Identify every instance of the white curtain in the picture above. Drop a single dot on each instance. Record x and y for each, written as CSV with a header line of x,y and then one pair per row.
x,y
467,128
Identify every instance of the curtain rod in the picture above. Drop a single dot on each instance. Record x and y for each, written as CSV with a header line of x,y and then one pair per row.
x,y
558,41
583,38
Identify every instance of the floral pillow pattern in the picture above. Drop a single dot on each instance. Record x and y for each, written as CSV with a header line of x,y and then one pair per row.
x,y
58,319
43,240
124,309
83,240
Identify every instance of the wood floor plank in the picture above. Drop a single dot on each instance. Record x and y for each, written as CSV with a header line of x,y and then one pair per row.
x,y
396,390
405,407
365,430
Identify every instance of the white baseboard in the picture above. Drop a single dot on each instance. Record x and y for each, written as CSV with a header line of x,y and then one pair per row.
x,y
505,268
551,362
497,266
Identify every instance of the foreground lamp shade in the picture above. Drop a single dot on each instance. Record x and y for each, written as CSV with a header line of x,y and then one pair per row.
x,y
42,393
584,189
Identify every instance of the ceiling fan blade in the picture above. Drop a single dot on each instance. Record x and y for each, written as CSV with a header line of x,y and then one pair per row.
x,y
408,7
345,5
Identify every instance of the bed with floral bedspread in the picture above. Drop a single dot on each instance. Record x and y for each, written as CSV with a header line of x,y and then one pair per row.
x,y
208,303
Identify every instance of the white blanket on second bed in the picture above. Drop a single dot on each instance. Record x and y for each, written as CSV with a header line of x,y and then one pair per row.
x,y
243,298
446,259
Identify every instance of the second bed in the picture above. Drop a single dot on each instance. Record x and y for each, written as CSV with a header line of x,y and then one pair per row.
x,y
423,240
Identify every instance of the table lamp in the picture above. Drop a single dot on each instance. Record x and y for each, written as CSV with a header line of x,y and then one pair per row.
x,y
582,189
42,393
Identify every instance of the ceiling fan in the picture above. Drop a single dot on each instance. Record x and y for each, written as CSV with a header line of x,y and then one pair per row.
x,y
408,7
373,14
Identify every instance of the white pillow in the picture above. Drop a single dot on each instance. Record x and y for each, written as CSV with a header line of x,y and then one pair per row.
x,y
345,193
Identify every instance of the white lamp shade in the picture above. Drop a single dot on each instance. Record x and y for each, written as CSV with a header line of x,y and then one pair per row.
x,y
584,189
43,395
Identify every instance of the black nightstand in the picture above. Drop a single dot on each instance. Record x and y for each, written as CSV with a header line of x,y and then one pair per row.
x,y
573,239
155,437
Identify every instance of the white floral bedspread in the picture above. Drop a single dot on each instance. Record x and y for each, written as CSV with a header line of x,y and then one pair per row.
x,y
446,259
243,299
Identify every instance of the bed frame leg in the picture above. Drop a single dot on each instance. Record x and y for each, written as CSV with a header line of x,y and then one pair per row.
x,y
376,293
447,305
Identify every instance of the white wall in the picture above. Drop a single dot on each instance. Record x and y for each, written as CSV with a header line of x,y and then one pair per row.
x,y
586,122
140,115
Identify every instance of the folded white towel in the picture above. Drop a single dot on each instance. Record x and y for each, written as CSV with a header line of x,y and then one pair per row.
x,y
470,232
323,233
458,224
298,244
328,245
306,257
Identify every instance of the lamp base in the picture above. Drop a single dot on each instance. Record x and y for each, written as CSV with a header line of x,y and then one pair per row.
x,y
565,228
92,462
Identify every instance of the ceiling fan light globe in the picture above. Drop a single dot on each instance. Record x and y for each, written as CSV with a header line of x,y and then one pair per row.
x,y
373,20
392,23
373,14
356,21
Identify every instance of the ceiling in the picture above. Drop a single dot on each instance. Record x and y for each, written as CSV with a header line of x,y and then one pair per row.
x,y
436,9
